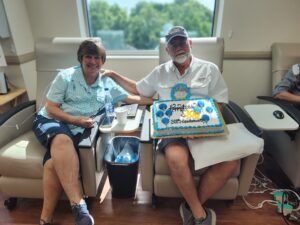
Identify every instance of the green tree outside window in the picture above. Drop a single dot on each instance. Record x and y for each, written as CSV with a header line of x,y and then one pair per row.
x,y
141,28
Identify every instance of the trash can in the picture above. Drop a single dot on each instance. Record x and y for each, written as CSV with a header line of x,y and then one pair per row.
x,y
122,163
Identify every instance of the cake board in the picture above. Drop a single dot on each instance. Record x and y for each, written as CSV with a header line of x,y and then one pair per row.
x,y
226,132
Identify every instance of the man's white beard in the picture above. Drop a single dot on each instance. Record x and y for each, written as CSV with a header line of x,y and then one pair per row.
x,y
180,59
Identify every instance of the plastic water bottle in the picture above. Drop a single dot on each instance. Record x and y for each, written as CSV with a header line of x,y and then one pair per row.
x,y
126,155
109,107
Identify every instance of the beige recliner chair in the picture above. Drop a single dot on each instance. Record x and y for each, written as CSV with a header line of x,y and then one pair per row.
x,y
155,175
284,147
20,152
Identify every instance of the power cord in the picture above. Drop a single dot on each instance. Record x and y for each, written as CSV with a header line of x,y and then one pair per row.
x,y
259,205
261,159
287,201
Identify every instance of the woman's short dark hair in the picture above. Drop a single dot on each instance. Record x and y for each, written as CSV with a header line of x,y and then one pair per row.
x,y
91,47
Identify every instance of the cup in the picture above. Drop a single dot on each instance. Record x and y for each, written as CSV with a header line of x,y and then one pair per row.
x,y
121,114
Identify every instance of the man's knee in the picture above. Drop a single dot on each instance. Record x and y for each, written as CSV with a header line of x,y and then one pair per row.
x,y
177,156
228,167
232,165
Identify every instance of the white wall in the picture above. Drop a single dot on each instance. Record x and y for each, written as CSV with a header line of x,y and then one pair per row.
x,y
247,79
254,26
251,27
53,18
20,27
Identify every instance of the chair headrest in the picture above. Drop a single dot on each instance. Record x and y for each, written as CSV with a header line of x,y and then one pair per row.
x,y
209,48
284,55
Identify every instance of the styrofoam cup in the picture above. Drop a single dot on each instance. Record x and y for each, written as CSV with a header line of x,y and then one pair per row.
x,y
121,114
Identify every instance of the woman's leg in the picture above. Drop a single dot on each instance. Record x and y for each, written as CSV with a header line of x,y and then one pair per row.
x,y
51,189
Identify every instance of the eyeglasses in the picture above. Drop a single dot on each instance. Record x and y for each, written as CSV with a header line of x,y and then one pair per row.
x,y
177,42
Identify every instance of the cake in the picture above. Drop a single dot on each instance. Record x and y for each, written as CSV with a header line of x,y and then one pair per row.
x,y
192,117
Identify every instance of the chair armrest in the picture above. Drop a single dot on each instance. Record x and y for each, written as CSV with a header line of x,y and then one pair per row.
x,y
91,152
146,154
90,135
13,111
145,132
248,166
287,106
16,121
244,118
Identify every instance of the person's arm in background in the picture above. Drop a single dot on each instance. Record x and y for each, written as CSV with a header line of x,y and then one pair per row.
x,y
284,89
128,84
54,110
288,96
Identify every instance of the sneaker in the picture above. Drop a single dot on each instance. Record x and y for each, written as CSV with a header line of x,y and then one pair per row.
x,y
186,214
209,220
82,215
188,219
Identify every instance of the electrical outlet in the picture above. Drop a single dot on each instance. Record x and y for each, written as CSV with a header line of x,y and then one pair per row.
x,y
278,195
285,209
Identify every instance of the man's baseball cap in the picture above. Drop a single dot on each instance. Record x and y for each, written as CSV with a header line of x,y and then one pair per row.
x,y
176,31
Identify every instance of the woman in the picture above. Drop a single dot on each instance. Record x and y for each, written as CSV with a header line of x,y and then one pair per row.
x,y
75,95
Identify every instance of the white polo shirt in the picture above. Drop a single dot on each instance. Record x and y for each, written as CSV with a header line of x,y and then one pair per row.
x,y
201,79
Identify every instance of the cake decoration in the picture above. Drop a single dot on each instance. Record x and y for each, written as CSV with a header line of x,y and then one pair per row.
x,y
205,118
159,113
209,109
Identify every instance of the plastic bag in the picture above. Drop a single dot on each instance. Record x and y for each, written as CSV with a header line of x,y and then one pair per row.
x,y
127,155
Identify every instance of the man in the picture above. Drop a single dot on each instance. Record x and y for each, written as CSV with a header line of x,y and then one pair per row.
x,y
200,78
289,87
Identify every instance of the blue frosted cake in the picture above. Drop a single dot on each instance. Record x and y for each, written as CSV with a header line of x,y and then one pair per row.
x,y
192,117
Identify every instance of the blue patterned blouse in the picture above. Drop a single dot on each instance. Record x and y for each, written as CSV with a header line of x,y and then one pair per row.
x,y
76,98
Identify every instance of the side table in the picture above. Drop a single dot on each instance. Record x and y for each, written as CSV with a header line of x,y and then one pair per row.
x,y
262,115
130,126
11,97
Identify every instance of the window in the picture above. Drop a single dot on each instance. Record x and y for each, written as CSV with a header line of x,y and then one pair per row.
x,y
138,24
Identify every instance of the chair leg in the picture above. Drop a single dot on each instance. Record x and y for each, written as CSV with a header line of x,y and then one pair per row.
x,y
229,202
10,203
88,200
154,201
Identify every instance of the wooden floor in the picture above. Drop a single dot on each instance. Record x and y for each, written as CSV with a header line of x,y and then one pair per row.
x,y
139,211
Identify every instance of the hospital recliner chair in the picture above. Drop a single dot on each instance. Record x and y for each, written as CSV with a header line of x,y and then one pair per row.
x,y
21,154
284,146
155,175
